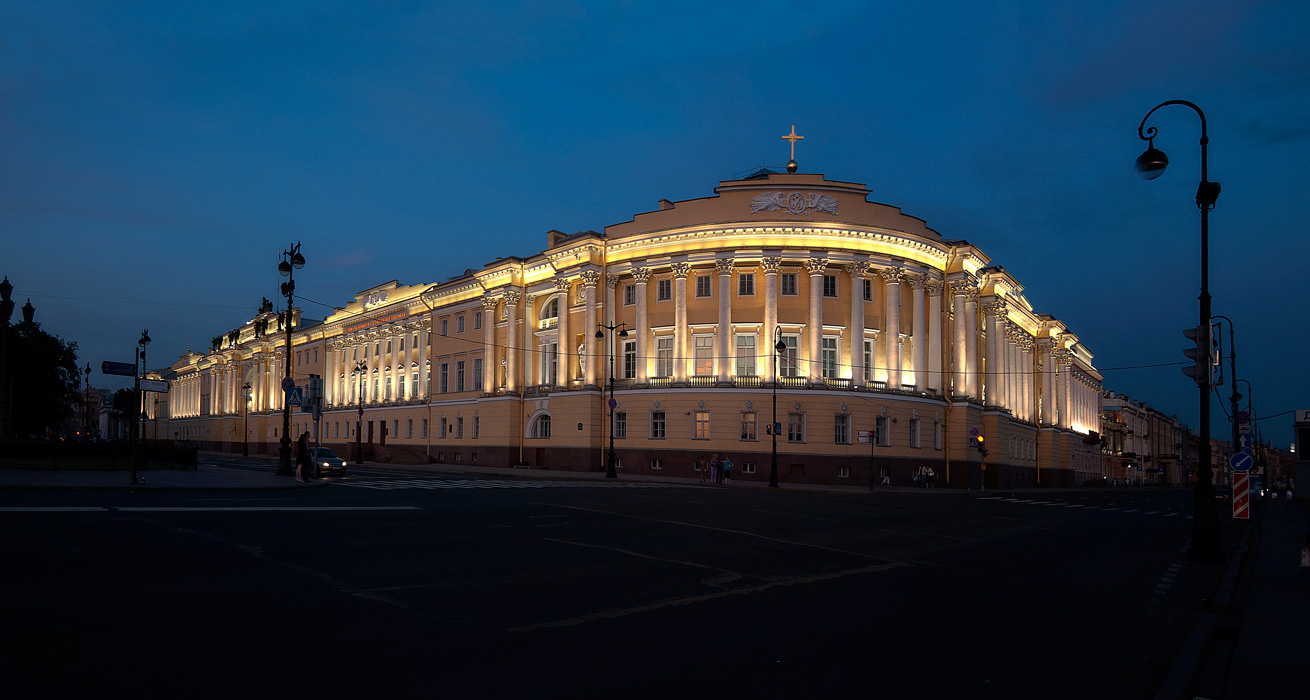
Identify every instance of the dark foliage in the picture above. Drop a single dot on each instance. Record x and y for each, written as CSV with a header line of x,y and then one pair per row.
x,y
44,378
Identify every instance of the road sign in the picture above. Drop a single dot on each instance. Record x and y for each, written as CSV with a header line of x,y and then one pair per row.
x,y
361,411
155,385
973,432
1241,497
1243,417
122,369
1240,462
295,397
288,384
1245,440
614,404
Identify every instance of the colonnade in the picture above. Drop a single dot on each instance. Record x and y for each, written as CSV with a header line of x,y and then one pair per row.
x,y
397,365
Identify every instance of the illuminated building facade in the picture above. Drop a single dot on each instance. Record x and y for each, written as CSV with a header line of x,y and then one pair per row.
x,y
886,327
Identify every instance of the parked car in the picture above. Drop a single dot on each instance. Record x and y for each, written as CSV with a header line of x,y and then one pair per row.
x,y
1223,493
327,462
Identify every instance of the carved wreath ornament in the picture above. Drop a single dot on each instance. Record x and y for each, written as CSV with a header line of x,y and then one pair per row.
x,y
794,202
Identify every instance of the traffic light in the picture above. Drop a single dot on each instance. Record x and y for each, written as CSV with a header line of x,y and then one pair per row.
x,y
979,443
768,428
1202,353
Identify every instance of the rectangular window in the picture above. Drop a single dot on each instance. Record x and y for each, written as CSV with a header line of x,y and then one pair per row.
x,y
747,467
702,425
868,289
664,357
459,376
629,294
830,285
936,435
402,343
445,326
884,435
413,382
704,355
424,435
477,374
663,290
787,284
375,387
843,472
830,358
400,386
459,324
657,425
549,363
868,360
746,356
656,464
746,284
395,428
441,427
795,427
459,428
409,428
477,320
841,429
476,428
629,359
791,356
315,355
748,425
443,379
620,424
386,387
702,285
388,347
914,432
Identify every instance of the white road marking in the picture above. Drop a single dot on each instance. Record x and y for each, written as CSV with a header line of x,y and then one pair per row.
x,y
187,509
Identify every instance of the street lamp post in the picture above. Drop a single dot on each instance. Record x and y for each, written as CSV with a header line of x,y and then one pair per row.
x,y
292,260
6,311
778,348
610,470
1235,396
1150,165
245,416
138,419
86,410
360,369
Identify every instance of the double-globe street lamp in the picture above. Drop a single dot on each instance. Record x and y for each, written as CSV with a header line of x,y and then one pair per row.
x,y
779,347
1150,165
610,459
360,369
292,260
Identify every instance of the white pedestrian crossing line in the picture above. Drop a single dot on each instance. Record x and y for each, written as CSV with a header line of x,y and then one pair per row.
x,y
1108,508
440,483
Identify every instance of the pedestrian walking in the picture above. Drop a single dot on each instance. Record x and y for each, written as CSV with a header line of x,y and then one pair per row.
x,y
727,470
715,464
1287,498
886,478
304,465
702,466
931,477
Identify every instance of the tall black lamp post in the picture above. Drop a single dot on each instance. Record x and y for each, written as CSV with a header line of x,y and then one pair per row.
x,y
245,417
139,419
779,347
1150,165
6,311
292,260
86,411
1235,396
610,459
360,369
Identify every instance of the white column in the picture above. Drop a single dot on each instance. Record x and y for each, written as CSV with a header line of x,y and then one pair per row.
x,y
892,277
511,358
488,346
1007,364
590,278
919,350
564,357
423,364
528,342
770,266
727,344
857,270
611,337
681,360
813,365
992,310
934,290
971,340
959,350
642,276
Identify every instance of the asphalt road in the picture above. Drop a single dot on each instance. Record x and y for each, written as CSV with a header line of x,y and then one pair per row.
x,y
388,582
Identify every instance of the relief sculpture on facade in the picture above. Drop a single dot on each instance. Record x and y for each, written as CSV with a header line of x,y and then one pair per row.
x,y
794,203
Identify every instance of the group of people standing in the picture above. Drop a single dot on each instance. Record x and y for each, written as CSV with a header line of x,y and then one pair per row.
x,y
717,470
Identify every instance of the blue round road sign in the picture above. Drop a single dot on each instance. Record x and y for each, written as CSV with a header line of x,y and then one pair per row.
x,y
613,403
288,384
1240,462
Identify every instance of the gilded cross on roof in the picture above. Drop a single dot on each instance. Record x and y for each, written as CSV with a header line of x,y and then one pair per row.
x,y
791,164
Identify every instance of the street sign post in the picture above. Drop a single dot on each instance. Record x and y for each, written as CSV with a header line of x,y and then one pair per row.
x,y
1241,497
122,369
866,435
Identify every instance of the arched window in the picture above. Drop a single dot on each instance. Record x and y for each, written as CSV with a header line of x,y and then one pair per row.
x,y
541,426
550,313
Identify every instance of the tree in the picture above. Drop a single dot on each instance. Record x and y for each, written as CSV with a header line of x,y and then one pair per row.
x,y
44,380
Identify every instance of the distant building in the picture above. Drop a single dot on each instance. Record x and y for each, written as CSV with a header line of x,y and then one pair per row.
x,y
885,326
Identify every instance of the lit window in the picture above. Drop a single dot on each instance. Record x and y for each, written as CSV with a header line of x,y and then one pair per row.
x,y
704,355
702,425
748,426
664,357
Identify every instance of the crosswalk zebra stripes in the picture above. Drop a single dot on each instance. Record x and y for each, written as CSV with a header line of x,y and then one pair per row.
x,y
1110,508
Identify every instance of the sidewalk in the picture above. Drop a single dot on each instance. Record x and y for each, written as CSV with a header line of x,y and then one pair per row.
x,y
1272,648
206,478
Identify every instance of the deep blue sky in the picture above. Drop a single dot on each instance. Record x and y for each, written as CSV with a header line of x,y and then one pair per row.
x,y
155,157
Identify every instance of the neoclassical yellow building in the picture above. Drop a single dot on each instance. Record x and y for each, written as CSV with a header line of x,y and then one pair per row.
x,y
885,327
